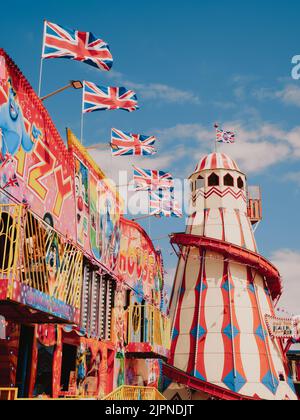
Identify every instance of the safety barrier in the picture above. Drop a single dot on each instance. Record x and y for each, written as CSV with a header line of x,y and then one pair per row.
x,y
8,394
131,393
38,258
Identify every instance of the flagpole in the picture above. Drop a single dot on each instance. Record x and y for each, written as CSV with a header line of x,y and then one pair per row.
x,y
42,61
82,116
149,222
81,129
41,77
216,144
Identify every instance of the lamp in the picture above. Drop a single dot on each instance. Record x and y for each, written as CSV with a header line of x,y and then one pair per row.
x,y
75,84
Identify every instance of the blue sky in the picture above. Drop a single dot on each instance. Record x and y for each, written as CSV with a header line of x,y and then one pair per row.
x,y
191,63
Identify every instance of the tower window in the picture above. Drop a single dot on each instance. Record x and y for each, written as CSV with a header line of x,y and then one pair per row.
x,y
213,180
240,183
200,183
228,181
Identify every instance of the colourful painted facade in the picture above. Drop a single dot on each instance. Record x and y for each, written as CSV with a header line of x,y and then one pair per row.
x,y
223,291
80,286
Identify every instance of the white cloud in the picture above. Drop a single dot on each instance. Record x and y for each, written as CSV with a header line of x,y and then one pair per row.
x,y
288,262
186,131
112,166
257,147
157,91
289,95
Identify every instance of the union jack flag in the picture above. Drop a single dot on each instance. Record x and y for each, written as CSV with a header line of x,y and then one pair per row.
x,y
125,144
99,98
149,180
163,203
60,42
225,136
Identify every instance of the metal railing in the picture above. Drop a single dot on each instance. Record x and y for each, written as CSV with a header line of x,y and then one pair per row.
x,y
10,234
34,254
8,394
125,393
132,393
147,324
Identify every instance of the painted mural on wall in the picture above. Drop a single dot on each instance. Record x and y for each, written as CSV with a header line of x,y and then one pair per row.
x,y
97,209
139,264
35,166
120,245
109,226
82,201
67,189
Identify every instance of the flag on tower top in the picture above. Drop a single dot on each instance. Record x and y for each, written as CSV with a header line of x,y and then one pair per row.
x,y
225,136
60,42
152,180
100,98
125,144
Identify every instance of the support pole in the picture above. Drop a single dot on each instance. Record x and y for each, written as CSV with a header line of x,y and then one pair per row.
x,y
42,61
40,78
81,127
82,114
216,144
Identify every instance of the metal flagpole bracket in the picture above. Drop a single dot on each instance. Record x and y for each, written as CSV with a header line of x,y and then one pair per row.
x,y
157,216
75,84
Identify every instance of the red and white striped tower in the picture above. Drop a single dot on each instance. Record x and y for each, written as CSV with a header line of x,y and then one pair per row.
x,y
224,289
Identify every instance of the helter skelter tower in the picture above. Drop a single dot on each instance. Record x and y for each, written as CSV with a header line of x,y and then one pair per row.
x,y
224,289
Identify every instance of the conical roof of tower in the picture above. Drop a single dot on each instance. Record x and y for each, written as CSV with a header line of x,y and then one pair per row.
x,y
217,161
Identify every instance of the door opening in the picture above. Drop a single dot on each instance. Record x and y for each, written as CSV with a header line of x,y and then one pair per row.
x,y
68,372
25,361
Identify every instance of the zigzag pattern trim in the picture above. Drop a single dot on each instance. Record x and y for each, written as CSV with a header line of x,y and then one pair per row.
x,y
222,194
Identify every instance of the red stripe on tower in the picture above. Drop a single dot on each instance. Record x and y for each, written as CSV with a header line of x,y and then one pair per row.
x,y
195,328
225,162
200,369
176,327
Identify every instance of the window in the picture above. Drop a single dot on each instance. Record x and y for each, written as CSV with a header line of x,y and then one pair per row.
x,y
213,180
281,377
200,183
240,183
228,181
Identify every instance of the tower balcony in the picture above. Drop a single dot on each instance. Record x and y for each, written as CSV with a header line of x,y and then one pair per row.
x,y
148,333
254,205
40,271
